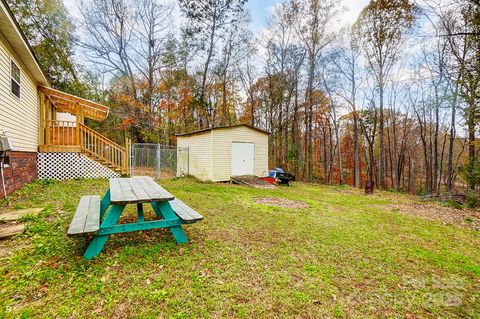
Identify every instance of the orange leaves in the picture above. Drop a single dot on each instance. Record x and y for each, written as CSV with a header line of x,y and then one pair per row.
x,y
125,123
165,105
321,106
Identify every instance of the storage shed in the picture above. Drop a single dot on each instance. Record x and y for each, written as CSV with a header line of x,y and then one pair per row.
x,y
219,153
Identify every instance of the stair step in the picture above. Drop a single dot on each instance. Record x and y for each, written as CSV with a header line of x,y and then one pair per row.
x,y
103,162
107,164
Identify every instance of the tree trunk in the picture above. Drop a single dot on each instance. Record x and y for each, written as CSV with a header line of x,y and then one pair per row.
x,y
471,148
381,176
356,155
452,141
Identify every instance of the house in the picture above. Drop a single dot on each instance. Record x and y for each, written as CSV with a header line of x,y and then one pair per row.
x,y
45,126
217,154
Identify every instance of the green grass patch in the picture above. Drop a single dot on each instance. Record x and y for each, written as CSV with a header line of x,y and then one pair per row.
x,y
346,255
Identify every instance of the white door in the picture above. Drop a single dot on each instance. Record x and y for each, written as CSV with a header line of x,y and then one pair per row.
x,y
242,158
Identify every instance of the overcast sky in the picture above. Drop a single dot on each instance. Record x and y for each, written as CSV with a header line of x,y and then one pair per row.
x,y
261,9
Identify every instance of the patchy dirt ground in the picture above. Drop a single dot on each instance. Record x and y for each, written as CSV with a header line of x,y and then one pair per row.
x,y
252,181
281,202
446,215
152,172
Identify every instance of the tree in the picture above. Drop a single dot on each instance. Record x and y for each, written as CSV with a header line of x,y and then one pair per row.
x,y
208,18
382,28
247,71
126,41
236,44
150,35
108,34
49,30
462,26
346,62
283,62
312,30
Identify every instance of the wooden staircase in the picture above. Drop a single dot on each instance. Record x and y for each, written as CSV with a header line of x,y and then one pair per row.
x,y
103,150
71,136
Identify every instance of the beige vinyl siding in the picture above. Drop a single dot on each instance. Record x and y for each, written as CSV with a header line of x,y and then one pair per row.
x,y
222,150
210,152
20,117
199,154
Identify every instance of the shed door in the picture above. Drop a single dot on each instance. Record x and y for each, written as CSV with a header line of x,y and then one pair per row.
x,y
242,158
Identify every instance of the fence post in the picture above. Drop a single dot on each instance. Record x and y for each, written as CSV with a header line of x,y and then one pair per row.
x,y
130,158
158,162
126,156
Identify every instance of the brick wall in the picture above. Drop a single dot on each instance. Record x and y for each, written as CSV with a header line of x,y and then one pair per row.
x,y
22,169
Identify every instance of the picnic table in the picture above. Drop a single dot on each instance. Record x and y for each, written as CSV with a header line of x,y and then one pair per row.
x,y
99,216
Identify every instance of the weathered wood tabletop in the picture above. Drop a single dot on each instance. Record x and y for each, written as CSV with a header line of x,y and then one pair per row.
x,y
140,189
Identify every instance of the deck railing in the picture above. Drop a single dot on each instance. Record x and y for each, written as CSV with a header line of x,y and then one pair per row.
x,y
61,133
75,136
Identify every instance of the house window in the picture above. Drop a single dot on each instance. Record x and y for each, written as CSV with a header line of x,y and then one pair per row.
x,y
15,78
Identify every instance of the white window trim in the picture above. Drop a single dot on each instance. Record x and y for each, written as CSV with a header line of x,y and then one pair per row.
x,y
11,78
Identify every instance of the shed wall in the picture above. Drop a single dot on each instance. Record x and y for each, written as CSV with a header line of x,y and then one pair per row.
x,y
199,153
20,116
222,150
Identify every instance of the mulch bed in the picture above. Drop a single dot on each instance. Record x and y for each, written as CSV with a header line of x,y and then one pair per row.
x,y
281,202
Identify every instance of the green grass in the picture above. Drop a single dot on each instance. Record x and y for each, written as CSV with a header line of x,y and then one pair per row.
x,y
346,256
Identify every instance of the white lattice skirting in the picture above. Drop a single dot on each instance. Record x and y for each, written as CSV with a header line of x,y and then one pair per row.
x,y
71,166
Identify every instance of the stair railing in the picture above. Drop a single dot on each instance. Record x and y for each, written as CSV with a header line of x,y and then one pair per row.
x,y
103,149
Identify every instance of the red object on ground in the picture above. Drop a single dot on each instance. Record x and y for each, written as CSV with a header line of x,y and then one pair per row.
x,y
270,180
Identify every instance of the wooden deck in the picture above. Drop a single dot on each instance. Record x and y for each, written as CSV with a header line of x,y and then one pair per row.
x,y
75,137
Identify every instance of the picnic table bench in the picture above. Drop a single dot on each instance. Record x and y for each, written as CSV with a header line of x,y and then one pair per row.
x,y
99,216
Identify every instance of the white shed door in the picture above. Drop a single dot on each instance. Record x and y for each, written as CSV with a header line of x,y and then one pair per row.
x,y
242,158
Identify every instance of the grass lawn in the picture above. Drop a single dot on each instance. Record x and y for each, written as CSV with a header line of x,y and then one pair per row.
x,y
345,256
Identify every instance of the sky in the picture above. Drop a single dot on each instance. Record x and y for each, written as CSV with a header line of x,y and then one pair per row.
x,y
261,9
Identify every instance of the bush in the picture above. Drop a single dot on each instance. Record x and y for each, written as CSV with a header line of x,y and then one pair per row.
x,y
472,201
454,204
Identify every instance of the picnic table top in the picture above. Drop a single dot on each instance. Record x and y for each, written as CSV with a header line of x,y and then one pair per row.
x,y
140,189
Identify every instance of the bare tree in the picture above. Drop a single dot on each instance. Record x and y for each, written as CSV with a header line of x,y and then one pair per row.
x,y
107,26
150,35
312,30
347,63
460,24
207,20
382,27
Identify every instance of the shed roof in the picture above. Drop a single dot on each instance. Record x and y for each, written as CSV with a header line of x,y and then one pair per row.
x,y
10,29
223,127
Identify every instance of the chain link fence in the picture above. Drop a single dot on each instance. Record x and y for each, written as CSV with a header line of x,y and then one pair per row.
x,y
158,161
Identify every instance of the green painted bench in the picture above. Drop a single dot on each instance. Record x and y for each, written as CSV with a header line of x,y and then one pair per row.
x,y
87,217
184,212
99,217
